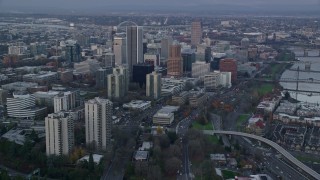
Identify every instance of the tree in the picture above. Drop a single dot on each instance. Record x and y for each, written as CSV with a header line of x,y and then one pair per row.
x,y
34,136
164,142
189,86
4,175
157,152
130,172
172,165
196,149
159,130
172,136
91,163
154,173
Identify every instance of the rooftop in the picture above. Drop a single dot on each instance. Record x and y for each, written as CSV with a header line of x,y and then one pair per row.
x,y
141,155
15,135
96,158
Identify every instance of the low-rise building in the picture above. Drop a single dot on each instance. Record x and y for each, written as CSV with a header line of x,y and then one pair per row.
x,y
212,81
172,86
165,116
19,86
285,118
146,146
169,90
181,98
219,158
23,105
215,79
96,158
197,99
15,135
42,77
141,155
268,105
137,105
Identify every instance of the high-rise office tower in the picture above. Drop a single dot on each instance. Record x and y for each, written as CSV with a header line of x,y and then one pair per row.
x,y
196,33
189,57
102,77
98,120
108,60
73,51
153,87
64,101
116,87
119,50
175,63
165,46
207,54
38,48
134,46
59,133
140,71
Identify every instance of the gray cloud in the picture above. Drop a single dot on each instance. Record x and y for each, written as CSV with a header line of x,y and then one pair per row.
x,y
158,4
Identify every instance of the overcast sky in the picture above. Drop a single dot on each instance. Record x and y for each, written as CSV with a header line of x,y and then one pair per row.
x,y
76,3
154,4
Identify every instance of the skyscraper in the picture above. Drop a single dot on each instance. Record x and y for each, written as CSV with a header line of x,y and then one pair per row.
x,y
124,71
98,119
108,60
119,50
188,57
207,54
102,77
140,71
115,86
165,45
59,134
153,87
134,46
73,51
175,63
196,33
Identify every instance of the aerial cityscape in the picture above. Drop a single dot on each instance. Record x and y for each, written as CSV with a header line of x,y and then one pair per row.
x,y
153,91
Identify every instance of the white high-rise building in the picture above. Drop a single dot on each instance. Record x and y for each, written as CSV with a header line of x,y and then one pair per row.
x,y
125,72
119,50
65,101
153,87
98,120
116,87
59,134
225,79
